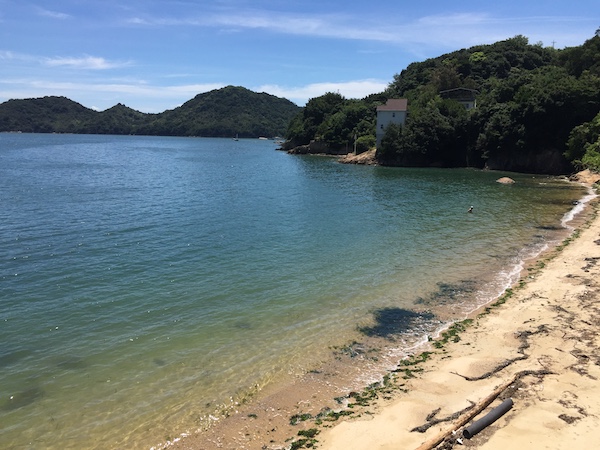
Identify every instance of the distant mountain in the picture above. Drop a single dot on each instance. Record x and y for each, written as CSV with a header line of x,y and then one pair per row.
x,y
119,119
226,112
220,113
44,115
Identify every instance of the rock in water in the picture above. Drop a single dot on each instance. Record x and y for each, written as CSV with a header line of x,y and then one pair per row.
x,y
505,180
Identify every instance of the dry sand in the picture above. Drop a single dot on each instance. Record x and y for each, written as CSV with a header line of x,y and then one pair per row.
x,y
538,346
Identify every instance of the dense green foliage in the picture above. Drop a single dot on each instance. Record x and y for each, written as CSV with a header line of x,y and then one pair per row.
x,y
335,121
530,99
219,113
224,113
44,115
584,145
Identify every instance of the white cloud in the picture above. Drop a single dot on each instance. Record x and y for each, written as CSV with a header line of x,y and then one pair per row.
x,y
449,31
12,56
85,62
135,94
4,54
53,14
132,89
453,20
349,89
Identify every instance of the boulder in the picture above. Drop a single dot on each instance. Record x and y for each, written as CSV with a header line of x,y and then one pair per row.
x,y
367,158
586,177
505,180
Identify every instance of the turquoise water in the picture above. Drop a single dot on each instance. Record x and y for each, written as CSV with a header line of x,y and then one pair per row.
x,y
147,281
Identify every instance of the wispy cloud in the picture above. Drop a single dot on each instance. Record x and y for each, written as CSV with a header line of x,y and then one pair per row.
x,y
331,25
136,93
85,62
446,30
349,89
53,14
8,55
127,88
5,54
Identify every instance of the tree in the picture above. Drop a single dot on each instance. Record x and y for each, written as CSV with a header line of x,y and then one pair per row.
x,y
354,118
391,145
584,145
306,125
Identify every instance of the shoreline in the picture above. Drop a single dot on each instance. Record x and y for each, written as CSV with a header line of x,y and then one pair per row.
x,y
535,345
307,411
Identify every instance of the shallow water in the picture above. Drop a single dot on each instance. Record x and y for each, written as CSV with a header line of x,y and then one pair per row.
x,y
146,281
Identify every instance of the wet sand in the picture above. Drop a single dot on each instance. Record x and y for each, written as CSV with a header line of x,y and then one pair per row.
x,y
537,345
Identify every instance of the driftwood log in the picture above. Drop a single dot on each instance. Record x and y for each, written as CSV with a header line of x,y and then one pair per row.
x,y
435,441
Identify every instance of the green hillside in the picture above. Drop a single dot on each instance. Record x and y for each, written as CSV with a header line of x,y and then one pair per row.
x,y
220,113
535,111
44,115
225,113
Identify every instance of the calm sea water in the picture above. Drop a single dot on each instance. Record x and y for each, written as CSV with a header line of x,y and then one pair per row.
x,y
146,281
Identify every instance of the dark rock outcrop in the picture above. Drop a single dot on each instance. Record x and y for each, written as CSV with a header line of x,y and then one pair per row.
x,y
548,162
315,148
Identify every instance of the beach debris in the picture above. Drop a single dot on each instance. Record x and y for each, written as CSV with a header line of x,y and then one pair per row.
x,y
432,420
488,419
436,440
523,337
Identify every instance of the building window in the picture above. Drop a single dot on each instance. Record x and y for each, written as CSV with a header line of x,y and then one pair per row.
x,y
393,114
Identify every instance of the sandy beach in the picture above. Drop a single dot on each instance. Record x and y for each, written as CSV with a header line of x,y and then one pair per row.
x,y
539,348
536,345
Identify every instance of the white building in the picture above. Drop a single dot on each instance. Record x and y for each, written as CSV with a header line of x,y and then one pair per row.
x,y
394,111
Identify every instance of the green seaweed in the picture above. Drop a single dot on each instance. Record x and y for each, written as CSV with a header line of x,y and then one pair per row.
x,y
414,360
308,439
303,443
451,334
297,418
310,433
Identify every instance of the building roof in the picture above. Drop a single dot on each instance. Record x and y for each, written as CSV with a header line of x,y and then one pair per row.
x,y
463,89
463,94
394,104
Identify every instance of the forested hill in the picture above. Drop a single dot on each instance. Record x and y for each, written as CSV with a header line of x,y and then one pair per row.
x,y
220,113
538,110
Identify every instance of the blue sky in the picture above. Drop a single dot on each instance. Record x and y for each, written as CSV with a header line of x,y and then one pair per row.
x,y
153,55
